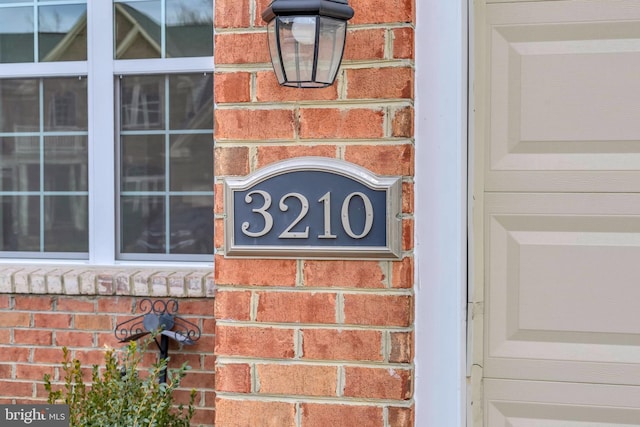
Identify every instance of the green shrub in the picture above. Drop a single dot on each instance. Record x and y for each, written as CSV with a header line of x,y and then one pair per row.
x,y
119,394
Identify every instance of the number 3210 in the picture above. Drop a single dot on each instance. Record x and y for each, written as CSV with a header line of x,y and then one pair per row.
x,y
304,210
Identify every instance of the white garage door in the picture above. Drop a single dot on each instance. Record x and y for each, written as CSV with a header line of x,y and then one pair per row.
x,y
559,101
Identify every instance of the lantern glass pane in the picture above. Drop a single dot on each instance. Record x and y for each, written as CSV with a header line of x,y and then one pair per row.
x,y
273,50
330,48
297,47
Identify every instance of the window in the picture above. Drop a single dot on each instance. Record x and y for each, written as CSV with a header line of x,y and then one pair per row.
x,y
106,130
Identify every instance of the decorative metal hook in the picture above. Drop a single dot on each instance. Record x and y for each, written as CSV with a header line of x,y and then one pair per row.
x,y
159,316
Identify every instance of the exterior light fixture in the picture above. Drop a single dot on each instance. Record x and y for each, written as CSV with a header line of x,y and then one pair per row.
x,y
306,40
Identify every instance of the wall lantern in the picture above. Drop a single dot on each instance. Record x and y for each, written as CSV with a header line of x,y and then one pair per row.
x,y
306,40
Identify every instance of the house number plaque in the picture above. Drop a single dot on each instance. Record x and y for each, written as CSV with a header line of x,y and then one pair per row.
x,y
313,207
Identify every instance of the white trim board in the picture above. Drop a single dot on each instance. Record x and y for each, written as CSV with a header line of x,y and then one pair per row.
x,y
441,212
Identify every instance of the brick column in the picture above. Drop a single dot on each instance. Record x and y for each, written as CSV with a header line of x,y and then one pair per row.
x,y
310,343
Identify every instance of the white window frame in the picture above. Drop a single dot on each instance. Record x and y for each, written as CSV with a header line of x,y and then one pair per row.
x,y
101,71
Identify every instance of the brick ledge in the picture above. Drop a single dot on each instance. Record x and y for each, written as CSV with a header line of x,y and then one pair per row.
x,y
117,280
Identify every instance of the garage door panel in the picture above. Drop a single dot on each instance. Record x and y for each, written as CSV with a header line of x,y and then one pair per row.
x,y
563,98
562,285
536,404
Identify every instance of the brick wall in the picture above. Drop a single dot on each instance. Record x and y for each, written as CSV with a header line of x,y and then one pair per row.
x,y
300,342
43,309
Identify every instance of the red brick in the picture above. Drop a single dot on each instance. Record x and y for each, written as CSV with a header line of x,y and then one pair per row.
x,y
238,48
235,378
203,417
55,321
296,307
92,357
107,339
364,45
272,153
407,234
231,161
298,380
402,273
331,344
382,11
14,354
383,159
401,347
407,197
231,14
6,371
33,303
254,342
199,380
382,310
5,335
5,302
77,305
260,6
254,125
232,305
16,389
197,307
324,415
403,43
74,339
377,383
374,83
269,90
255,272
48,355
401,417
11,319
347,274
33,371
341,123
209,325
33,336
247,413
116,304
94,322
232,87
402,123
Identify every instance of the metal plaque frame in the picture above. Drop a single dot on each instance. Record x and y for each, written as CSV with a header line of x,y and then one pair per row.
x,y
390,186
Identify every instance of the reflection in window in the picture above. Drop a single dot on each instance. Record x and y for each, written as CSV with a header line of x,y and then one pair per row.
x,y
61,31
186,32
43,174
166,166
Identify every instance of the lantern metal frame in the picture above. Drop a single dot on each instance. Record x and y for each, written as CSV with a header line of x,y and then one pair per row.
x,y
338,10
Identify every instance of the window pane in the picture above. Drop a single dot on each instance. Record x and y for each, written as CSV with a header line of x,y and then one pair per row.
x,y
189,28
65,104
16,37
20,163
19,216
143,225
65,163
143,163
142,100
138,30
191,101
191,162
66,224
44,165
19,105
166,169
62,33
191,225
